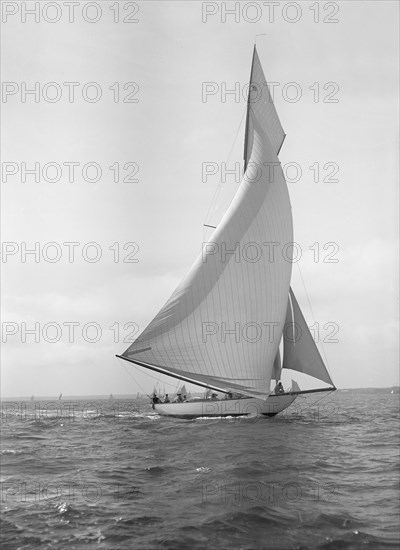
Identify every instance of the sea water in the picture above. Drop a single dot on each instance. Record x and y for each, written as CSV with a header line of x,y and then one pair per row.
x,y
111,474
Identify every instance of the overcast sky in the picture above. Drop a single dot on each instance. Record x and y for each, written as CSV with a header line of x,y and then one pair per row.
x,y
169,132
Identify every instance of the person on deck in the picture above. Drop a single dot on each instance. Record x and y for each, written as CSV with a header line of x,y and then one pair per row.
x,y
154,400
166,400
279,388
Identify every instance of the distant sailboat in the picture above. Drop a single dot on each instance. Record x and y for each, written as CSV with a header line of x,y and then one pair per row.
x,y
222,291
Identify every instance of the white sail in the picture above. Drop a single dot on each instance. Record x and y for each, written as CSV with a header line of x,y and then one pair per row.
x,y
300,352
223,324
261,104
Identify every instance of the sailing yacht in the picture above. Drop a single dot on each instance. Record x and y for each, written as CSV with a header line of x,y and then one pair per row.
x,y
215,329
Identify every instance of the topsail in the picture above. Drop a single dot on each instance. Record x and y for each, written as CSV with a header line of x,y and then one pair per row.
x,y
260,103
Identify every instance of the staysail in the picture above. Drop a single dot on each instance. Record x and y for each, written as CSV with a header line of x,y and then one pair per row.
x,y
223,324
300,352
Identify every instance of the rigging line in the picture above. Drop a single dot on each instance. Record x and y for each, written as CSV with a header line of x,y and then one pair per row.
x,y
312,313
305,290
133,378
177,385
236,136
218,189
157,379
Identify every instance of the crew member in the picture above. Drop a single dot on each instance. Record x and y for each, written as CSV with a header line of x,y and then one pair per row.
x,y
154,400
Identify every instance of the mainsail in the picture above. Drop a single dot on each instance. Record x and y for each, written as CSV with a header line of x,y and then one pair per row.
x,y
216,327
300,351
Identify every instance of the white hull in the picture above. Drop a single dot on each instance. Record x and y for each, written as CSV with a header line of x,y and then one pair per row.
x,y
247,406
